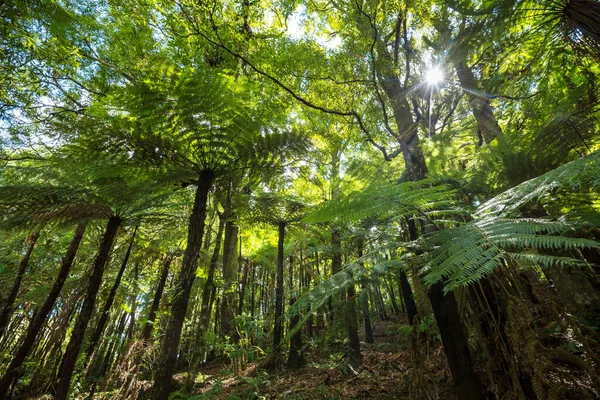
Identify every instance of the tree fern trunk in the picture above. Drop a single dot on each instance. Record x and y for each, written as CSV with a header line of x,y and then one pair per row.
x,y
183,287
37,323
278,331
83,319
294,357
97,333
228,305
162,280
14,291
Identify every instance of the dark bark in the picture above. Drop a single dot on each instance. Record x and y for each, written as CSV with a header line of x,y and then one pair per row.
x,y
14,291
42,314
70,357
456,347
407,298
278,331
164,273
97,333
352,328
183,287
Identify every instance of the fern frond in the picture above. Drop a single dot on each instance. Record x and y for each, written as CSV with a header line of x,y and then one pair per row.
x,y
463,255
424,198
580,175
352,273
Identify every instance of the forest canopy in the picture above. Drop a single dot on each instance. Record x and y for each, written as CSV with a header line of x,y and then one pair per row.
x,y
299,199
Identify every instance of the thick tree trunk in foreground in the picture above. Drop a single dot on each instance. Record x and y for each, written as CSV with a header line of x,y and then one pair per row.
x,y
95,338
38,322
70,357
445,308
14,291
183,288
456,346
278,331
164,273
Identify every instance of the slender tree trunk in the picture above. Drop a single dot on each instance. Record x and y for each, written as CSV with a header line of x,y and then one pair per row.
x,y
164,273
245,272
278,331
183,287
97,333
208,291
379,301
352,328
230,280
87,308
38,322
390,288
14,291
364,303
133,296
294,357
253,292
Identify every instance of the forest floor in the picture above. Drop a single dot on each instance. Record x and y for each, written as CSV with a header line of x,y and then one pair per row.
x,y
386,373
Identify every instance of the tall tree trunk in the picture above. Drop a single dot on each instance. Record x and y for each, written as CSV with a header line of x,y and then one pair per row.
x,y
294,357
183,287
487,125
70,357
278,331
364,302
133,297
379,302
253,291
14,291
162,280
38,322
352,328
228,306
97,333
245,272
390,289
445,308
